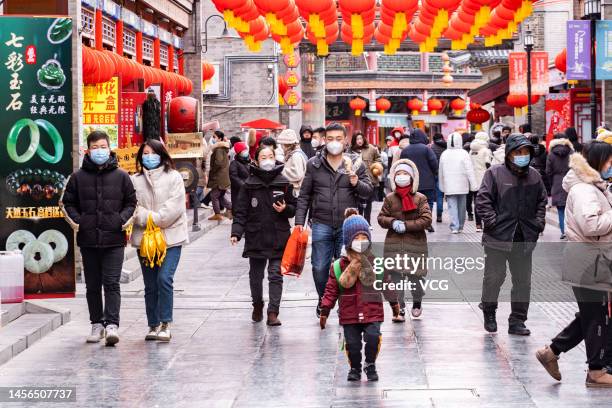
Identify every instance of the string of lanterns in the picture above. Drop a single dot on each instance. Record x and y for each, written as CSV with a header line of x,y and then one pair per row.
x,y
425,22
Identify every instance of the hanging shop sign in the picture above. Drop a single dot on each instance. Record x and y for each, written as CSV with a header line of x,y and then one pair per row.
x,y
539,73
292,97
578,50
603,40
292,78
101,110
517,73
35,150
292,60
558,114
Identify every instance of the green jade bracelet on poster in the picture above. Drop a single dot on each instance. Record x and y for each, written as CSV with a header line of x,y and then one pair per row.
x,y
34,147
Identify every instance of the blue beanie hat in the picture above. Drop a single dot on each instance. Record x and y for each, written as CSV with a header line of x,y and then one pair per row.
x,y
354,225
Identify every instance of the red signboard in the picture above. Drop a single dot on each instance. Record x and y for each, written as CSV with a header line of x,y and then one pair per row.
x,y
539,73
371,132
292,60
558,114
130,128
517,64
291,97
292,78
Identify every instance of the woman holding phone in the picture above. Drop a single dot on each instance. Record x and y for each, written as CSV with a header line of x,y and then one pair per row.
x,y
261,214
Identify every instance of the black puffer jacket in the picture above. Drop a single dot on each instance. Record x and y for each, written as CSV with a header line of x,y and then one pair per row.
x,y
557,166
265,230
538,162
305,144
424,158
99,203
238,172
512,202
330,192
438,146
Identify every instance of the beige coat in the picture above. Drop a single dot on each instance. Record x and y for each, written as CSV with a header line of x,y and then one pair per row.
x,y
295,168
162,194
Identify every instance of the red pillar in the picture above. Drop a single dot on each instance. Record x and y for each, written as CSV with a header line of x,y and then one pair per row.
x,y
139,47
119,37
170,58
98,29
181,63
156,49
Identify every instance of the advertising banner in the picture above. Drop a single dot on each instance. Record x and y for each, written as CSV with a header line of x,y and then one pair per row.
x,y
101,110
558,115
371,132
517,67
539,73
36,150
578,49
603,38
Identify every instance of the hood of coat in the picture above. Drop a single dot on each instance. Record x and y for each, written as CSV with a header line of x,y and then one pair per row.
x,y
561,147
260,176
516,141
397,129
455,141
90,166
404,143
482,136
539,150
418,136
477,145
415,178
304,129
223,144
581,172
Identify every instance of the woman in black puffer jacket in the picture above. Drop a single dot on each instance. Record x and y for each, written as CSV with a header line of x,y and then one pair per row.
x,y
265,205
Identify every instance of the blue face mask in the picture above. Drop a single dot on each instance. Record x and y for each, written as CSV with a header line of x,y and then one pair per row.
x,y
522,161
99,156
151,161
606,174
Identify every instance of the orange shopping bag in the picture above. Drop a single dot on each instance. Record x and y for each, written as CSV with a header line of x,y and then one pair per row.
x,y
295,252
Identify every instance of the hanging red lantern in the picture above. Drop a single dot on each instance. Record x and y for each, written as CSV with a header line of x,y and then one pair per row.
x,y
358,105
382,105
561,61
414,105
457,105
434,106
478,116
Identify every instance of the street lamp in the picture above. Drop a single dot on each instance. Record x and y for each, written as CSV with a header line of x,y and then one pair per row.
x,y
224,35
592,12
528,41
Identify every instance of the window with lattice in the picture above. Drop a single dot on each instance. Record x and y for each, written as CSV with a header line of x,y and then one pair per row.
x,y
163,55
108,31
129,42
87,22
147,49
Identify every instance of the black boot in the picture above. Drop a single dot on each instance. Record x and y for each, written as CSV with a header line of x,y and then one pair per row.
x,y
490,324
370,370
354,375
257,315
470,217
519,329
439,218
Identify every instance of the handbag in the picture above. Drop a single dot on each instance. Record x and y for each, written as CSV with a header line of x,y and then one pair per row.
x,y
294,255
153,245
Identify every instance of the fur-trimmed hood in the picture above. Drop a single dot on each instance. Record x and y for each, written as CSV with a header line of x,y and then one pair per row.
x,y
581,172
563,147
221,144
415,179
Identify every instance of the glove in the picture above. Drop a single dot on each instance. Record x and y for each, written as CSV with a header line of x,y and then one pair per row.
x,y
399,226
322,321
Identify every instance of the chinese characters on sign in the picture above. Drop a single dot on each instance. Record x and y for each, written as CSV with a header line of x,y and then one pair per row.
x,y
517,62
578,50
33,212
604,49
539,73
101,109
14,64
292,60
291,97
292,78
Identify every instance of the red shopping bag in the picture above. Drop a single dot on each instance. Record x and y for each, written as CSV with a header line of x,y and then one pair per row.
x,y
295,252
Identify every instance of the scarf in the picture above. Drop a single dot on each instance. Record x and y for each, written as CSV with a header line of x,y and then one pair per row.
x,y
405,194
360,268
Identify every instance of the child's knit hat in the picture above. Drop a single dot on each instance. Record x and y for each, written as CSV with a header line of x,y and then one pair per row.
x,y
354,225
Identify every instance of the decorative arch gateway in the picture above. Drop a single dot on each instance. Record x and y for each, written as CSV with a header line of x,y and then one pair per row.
x,y
390,23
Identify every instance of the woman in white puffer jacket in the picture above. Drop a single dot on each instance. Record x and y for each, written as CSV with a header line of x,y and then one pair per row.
x,y
160,191
481,157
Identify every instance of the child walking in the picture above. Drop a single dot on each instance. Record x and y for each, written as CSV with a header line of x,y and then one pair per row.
x,y
361,312
406,216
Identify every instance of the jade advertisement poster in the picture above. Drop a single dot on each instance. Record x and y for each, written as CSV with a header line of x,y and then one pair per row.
x,y
35,150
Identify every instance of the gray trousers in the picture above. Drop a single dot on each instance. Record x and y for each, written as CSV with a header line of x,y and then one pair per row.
x,y
275,281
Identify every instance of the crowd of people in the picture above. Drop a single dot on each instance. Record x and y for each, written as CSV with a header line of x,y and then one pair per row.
x,y
326,180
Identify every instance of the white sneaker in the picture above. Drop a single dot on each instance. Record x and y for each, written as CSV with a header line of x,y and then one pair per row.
x,y
97,333
112,334
164,333
460,230
454,232
152,335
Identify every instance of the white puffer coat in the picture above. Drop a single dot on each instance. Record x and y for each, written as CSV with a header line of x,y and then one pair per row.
x,y
456,172
481,158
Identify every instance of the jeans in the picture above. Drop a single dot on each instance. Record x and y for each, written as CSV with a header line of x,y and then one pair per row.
x,y
200,194
365,207
159,289
519,261
275,281
456,210
218,200
102,268
431,197
326,246
353,335
561,213
439,200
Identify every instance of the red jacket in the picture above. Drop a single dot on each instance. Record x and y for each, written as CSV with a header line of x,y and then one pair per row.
x,y
358,304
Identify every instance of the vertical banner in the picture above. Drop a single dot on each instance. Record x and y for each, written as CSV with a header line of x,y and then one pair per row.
x,y
578,49
36,150
603,39
101,110
558,115
371,132
517,72
539,73
130,129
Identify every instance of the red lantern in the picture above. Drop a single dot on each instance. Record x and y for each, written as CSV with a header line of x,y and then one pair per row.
x,y
561,61
478,116
434,105
357,105
414,105
457,105
382,105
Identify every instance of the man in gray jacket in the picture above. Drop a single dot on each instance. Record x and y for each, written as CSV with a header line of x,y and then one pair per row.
x,y
334,181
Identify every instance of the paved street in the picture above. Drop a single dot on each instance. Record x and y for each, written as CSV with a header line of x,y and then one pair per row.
x,y
219,358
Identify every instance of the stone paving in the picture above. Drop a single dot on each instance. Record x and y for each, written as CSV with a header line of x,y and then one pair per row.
x,y
219,358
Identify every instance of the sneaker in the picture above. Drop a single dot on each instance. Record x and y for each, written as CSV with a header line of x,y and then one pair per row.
x,y
563,236
460,230
478,228
216,217
370,370
97,333
152,334
549,360
470,217
112,334
206,207
164,332
519,329
454,231
439,218
490,324
431,229
415,313
354,375
598,379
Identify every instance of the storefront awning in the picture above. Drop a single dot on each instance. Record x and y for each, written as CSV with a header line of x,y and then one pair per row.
x,y
388,120
490,91
263,124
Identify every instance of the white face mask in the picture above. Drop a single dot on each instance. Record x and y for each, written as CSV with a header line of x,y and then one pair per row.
x,y
359,246
335,147
403,180
267,164
315,143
